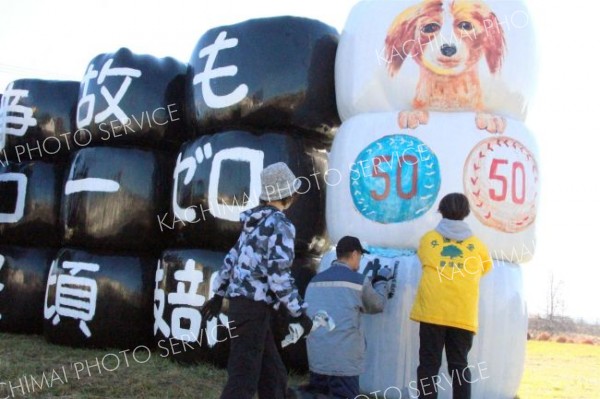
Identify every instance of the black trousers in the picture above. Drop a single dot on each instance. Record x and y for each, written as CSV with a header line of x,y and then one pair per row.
x,y
458,343
254,363
337,387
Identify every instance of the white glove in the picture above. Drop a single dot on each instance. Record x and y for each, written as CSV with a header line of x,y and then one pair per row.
x,y
322,319
296,331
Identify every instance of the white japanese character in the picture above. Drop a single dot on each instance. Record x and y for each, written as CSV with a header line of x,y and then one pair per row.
x,y
188,296
159,303
93,184
75,296
254,159
14,118
112,101
15,215
213,100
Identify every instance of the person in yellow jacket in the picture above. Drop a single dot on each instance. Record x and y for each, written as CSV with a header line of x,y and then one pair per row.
x,y
447,300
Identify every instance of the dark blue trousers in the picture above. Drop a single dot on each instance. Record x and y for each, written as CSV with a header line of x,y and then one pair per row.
x,y
337,387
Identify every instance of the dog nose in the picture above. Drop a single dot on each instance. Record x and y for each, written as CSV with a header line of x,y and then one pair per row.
x,y
448,50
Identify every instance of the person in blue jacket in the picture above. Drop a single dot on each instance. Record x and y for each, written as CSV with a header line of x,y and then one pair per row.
x,y
336,357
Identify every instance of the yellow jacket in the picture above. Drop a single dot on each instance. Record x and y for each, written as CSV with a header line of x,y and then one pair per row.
x,y
448,292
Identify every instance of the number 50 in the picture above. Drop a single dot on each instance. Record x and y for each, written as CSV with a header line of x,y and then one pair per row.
x,y
410,160
517,175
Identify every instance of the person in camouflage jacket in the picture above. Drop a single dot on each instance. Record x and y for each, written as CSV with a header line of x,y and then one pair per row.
x,y
256,277
258,266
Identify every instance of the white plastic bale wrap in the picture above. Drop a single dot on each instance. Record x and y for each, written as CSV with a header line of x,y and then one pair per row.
x,y
386,182
388,57
502,337
497,357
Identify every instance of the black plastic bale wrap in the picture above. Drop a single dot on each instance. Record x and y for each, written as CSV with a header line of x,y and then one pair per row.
x,y
99,300
112,198
183,283
30,194
218,176
37,119
133,99
23,274
271,73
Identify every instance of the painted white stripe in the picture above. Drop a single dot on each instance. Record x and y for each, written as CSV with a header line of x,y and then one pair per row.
x,y
91,184
337,284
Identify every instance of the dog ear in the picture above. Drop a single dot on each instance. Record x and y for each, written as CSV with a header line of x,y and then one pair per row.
x,y
400,40
494,43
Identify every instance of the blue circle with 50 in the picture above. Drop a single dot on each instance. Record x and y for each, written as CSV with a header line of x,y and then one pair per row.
x,y
395,179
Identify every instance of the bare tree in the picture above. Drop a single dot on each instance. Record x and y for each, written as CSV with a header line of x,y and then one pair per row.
x,y
555,304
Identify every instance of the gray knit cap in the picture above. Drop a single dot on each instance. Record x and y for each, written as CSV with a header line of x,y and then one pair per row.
x,y
278,182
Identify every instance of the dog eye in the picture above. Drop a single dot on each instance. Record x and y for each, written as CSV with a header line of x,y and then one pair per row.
x,y
430,28
464,25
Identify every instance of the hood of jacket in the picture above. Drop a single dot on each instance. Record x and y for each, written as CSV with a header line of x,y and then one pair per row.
x,y
454,229
252,217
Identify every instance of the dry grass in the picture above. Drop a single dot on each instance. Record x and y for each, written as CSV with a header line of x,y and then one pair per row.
x,y
561,371
49,371
552,371
44,370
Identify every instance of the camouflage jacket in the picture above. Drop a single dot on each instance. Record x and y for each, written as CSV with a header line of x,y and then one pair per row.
x,y
258,266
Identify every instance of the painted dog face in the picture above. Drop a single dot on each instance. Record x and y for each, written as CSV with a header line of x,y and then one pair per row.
x,y
446,37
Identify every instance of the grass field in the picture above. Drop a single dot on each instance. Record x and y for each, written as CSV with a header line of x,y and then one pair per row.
x,y
561,371
71,373
553,371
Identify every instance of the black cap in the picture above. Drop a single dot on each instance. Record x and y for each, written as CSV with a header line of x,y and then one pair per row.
x,y
348,244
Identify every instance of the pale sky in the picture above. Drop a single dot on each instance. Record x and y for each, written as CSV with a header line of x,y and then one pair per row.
x,y
55,39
